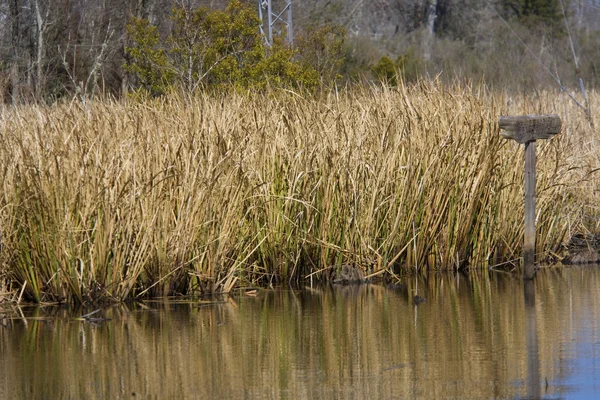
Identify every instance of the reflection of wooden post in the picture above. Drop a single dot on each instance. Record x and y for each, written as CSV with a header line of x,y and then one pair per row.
x,y
526,129
533,358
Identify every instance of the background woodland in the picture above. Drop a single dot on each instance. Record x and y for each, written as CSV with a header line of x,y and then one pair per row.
x,y
52,49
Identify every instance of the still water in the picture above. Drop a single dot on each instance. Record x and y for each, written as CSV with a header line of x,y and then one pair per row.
x,y
476,337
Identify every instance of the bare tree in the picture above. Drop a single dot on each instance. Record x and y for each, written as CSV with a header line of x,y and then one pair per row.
x,y
42,13
15,43
429,29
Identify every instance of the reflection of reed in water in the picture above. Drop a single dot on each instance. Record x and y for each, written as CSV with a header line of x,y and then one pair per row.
x,y
361,342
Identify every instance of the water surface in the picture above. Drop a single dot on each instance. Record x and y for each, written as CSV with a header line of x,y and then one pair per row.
x,y
479,337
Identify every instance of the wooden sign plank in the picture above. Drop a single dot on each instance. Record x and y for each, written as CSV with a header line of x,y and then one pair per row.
x,y
526,128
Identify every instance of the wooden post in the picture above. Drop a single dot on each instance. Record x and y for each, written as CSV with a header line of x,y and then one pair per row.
x,y
530,197
526,129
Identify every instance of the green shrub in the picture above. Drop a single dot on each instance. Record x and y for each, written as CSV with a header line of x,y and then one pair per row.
x,y
280,70
385,70
149,63
321,48
224,49
407,65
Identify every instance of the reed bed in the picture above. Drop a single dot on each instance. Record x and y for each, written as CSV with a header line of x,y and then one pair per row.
x,y
200,194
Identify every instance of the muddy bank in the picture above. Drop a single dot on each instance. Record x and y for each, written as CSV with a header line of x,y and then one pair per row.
x,y
583,250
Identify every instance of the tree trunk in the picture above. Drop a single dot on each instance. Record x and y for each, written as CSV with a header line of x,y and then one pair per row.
x,y
430,16
15,83
41,25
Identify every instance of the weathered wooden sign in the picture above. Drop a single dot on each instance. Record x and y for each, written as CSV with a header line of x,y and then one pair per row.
x,y
526,129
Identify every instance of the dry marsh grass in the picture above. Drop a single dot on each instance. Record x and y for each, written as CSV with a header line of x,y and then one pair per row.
x,y
184,195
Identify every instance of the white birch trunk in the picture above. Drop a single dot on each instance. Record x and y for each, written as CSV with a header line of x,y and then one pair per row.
x,y
429,28
39,62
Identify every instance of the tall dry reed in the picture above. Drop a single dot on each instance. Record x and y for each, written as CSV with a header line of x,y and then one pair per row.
x,y
182,195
